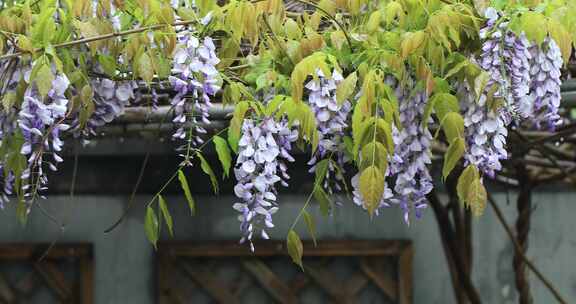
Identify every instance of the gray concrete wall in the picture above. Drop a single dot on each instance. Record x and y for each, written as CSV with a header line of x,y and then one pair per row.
x,y
124,259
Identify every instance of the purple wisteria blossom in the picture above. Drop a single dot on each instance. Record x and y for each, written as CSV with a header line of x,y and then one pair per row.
x,y
196,80
263,151
331,119
412,156
41,123
408,166
485,132
506,58
7,127
110,99
545,86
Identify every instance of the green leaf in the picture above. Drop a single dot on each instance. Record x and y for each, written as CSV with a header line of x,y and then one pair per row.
x,y
295,248
445,103
323,200
464,181
412,42
187,193
166,214
151,226
208,171
320,171
476,197
453,126
8,100
44,78
453,155
371,188
374,154
310,225
145,68
224,154
307,67
346,88
235,128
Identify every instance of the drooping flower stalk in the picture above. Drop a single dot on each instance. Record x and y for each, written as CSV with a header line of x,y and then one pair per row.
x,y
545,71
331,120
506,57
408,166
110,99
41,122
264,149
196,82
412,155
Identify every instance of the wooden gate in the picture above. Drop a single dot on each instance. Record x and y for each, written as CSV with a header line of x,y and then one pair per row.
x,y
334,272
31,274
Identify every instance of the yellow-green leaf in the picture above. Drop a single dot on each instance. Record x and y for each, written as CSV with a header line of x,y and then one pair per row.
x,y
145,67
464,181
151,226
205,166
224,154
44,78
453,126
476,197
309,220
371,188
295,248
166,214
346,88
187,193
453,155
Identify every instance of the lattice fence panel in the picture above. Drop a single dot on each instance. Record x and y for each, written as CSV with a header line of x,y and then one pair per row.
x,y
338,272
30,274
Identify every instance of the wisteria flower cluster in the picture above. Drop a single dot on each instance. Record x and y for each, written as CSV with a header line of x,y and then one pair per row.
x,y
506,58
545,84
110,99
41,124
412,156
264,149
408,166
331,119
196,82
485,131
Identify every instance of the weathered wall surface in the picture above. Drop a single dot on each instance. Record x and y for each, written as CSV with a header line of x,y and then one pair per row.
x,y
124,260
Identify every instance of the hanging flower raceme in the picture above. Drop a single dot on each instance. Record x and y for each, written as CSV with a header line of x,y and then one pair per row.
x,y
196,81
506,57
110,99
7,128
412,155
485,132
545,71
331,119
263,151
41,124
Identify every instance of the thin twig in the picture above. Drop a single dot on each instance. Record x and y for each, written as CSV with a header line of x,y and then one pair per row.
x,y
103,37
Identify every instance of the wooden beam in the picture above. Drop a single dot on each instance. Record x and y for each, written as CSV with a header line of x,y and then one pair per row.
x,y
270,282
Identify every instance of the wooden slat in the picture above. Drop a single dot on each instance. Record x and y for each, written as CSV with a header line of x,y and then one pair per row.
x,y
87,279
371,268
331,286
275,248
355,283
270,282
405,275
210,283
240,285
26,285
6,293
22,251
54,279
